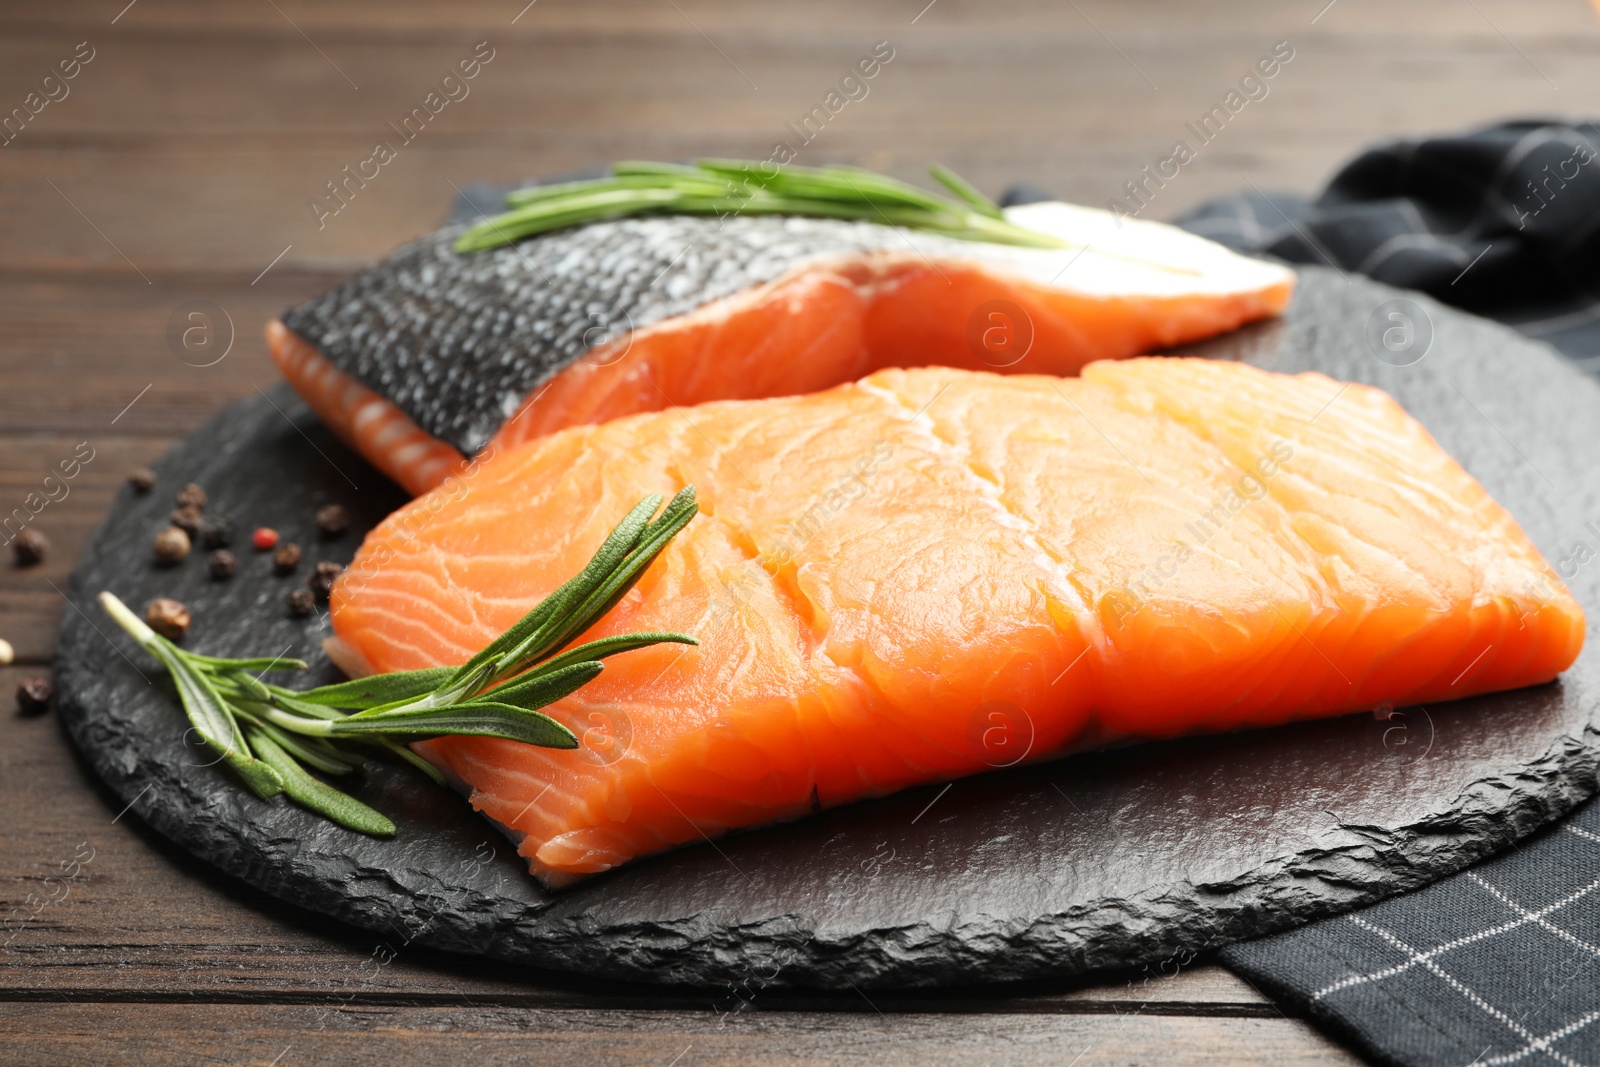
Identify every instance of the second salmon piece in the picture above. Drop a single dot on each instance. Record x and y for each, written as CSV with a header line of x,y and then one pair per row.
x,y
423,359
933,572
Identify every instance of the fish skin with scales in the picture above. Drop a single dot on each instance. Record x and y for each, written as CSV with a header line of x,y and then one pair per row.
x,y
458,340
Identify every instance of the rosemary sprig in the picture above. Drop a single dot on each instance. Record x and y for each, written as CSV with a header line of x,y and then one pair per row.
x,y
270,735
733,187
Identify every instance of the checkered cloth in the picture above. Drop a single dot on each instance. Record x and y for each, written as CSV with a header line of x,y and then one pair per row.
x,y
1499,964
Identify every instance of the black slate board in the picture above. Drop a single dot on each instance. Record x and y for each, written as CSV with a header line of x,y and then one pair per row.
x,y
1104,859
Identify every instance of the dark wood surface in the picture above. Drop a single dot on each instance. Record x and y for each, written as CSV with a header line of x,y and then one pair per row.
x,y
182,163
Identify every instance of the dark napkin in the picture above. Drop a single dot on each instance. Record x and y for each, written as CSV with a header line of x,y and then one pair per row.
x,y
1499,964
1502,221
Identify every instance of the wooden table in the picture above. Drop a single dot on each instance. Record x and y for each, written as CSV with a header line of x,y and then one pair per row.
x,y
181,165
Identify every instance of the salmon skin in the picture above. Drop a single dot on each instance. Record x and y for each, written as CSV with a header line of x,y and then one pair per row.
x,y
933,572
422,360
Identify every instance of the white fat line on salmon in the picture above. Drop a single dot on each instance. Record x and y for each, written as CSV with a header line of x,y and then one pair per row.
x,y
988,490
795,533
1250,487
1136,468
1152,178
344,186
54,488
52,89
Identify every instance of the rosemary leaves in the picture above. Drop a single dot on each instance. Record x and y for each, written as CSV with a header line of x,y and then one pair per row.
x,y
734,187
272,737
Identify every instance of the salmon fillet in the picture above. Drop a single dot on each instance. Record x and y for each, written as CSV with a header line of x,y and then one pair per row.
x,y
932,572
432,354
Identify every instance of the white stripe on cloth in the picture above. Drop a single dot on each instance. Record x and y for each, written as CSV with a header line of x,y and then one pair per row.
x,y
1525,918
1564,935
1542,1044
1471,995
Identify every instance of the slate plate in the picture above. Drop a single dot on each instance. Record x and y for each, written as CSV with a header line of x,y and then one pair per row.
x,y
1100,860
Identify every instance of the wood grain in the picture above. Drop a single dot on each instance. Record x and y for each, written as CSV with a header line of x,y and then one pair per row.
x,y
277,1034
150,178
181,168
87,372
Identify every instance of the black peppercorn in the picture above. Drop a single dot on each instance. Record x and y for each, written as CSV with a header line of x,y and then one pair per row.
x,y
222,563
217,532
191,495
143,479
332,520
286,558
29,547
301,603
321,580
187,519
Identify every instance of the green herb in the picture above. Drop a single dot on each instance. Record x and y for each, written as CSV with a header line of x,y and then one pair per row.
x,y
269,734
732,187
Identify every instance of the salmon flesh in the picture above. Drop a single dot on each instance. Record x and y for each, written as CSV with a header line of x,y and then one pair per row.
x,y
932,572
421,361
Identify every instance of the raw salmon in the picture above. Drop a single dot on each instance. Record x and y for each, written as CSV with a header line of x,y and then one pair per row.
x,y
932,572
420,361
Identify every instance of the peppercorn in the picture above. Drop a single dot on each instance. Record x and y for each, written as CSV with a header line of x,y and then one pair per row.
x,y
217,532
143,479
191,495
264,539
222,562
171,546
33,695
332,520
7,653
167,617
321,580
301,603
286,558
29,547
187,519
